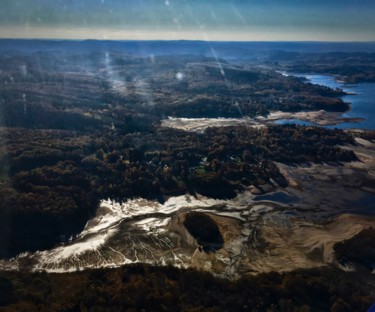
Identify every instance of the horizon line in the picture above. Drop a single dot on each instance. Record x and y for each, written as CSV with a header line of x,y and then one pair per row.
x,y
108,34
187,40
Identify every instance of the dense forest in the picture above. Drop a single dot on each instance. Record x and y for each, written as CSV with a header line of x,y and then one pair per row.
x,y
350,67
89,91
360,250
145,288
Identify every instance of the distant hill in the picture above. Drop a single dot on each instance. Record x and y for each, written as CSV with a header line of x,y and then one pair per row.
x,y
226,50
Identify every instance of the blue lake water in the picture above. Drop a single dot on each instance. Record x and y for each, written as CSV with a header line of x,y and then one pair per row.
x,y
362,102
280,197
294,121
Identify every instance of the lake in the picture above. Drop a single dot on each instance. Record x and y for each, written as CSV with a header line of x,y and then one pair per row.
x,y
362,102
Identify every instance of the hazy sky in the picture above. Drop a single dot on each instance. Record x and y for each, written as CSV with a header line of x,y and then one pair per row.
x,y
332,20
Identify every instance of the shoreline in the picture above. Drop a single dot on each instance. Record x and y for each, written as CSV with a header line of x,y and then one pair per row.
x,y
319,118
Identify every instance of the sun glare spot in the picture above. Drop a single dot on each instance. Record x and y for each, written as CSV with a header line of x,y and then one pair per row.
x,y
152,58
179,76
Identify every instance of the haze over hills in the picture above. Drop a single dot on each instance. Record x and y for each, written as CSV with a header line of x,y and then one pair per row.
x,y
230,50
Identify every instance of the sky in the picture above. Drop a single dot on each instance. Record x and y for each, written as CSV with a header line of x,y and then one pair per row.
x,y
213,20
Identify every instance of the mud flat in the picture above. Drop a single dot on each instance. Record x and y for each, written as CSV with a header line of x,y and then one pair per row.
x,y
347,187
334,204
321,118
365,151
302,244
200,124
136,231
258,236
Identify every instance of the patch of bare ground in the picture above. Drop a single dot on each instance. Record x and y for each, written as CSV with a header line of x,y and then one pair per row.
x,y
324,190
321,117
365,152
201,124
215,261
334,186
303,244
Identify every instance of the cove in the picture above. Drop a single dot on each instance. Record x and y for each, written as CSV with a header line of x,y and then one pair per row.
x,y
361,96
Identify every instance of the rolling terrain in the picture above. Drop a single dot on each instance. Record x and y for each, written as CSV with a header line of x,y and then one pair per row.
x,y
144,156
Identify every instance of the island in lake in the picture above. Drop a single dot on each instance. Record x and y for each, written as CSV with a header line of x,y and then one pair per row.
x,y
160,175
